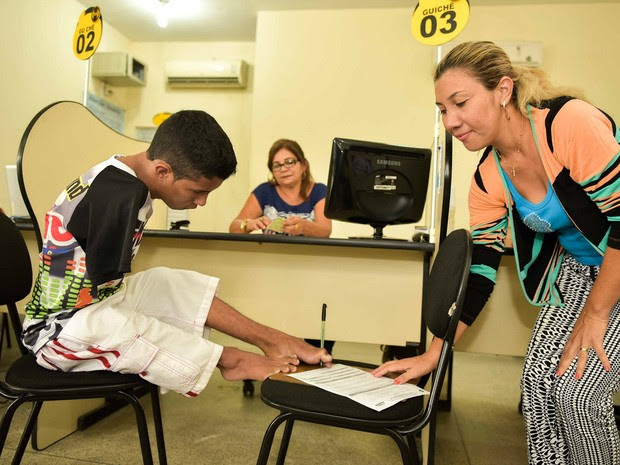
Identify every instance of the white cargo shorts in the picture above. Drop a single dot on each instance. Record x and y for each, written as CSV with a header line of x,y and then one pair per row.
x,y
154,327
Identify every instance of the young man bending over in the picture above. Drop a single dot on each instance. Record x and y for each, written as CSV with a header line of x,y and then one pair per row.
x,y
85,314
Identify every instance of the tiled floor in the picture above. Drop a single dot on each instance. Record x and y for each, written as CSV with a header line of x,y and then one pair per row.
x,y
222,427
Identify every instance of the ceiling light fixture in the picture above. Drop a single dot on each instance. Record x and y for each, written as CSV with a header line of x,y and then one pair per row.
x,y
162,13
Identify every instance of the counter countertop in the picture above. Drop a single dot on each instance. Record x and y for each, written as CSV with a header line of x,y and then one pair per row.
x,y
425,247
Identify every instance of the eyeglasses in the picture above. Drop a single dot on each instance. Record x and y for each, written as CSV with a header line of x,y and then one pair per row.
x,y
289,163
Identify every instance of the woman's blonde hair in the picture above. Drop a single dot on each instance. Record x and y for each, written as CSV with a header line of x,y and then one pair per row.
x,y
489,63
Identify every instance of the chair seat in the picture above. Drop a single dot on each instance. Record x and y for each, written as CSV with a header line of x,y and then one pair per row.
x,y
26,376
300,398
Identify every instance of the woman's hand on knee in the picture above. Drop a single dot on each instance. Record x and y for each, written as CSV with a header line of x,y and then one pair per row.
x,y
587,336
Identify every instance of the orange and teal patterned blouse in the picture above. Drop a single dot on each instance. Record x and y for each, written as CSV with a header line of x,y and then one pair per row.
x,y
579,148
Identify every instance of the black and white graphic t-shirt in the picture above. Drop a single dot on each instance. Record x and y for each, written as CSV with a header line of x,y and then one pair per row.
x,y
92,232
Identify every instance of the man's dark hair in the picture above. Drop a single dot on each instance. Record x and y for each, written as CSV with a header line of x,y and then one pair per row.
x,y
194,145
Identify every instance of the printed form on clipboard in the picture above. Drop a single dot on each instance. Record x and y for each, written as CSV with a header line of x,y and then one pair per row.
x,y
360,386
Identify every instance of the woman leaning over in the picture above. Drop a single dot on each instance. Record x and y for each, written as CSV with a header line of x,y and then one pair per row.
x,y
550,174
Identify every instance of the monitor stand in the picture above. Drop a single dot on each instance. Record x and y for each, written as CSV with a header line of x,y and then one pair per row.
x,y
378,234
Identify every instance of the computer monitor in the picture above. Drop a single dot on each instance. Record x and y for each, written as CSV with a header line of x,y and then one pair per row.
x,y
376,184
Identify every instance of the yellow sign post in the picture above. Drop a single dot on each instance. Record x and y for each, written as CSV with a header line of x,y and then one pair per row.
x,y
87,33
436,22
86,39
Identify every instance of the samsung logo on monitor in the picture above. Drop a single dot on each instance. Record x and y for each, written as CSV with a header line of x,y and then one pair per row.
x,y
388,162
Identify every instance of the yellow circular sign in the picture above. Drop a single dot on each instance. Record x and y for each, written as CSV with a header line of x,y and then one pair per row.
x,y
436,22
161,117
87,33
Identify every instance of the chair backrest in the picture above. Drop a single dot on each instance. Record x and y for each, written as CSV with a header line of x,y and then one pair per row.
x,y
15,274
61,142
445,290
15,268
443,301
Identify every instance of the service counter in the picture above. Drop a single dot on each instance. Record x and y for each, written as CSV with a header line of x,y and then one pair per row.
x,y
372,288
368,285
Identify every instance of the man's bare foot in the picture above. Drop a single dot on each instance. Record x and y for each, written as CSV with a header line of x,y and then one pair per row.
x,y
236,364
282,345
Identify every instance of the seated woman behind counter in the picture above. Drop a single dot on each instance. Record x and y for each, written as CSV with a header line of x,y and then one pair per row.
x,y
291,194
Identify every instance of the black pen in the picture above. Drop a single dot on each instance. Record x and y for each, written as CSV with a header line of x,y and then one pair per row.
x,y
323,315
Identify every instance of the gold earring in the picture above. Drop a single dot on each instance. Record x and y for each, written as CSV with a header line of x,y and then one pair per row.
x,y
506,111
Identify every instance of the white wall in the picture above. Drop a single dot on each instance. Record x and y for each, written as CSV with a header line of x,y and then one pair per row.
x,y
38,67
577,41
232,109
315,75
361,74
346,73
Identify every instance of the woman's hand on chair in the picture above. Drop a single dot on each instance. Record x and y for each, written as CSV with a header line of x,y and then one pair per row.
x,y
411,368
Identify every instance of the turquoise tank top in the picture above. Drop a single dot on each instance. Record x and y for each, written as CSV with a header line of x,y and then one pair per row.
x,y
548,216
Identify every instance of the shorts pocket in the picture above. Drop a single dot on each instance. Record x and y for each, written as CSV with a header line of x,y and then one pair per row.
x,y
136,357
158,366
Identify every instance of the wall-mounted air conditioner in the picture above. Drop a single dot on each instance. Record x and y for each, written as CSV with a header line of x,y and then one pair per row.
x,y
118,69
211,73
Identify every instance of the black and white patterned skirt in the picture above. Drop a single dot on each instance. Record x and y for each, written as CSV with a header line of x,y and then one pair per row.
x,y
570,421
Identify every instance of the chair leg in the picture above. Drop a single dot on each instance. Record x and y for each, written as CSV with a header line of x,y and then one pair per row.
x,y
265,447
413,447
23,441
16,322
159,429
286,438
5,325
143,432
7,418
432,434
405,452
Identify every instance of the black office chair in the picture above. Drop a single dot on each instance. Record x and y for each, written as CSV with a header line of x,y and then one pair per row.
x,y
443,299
26,381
